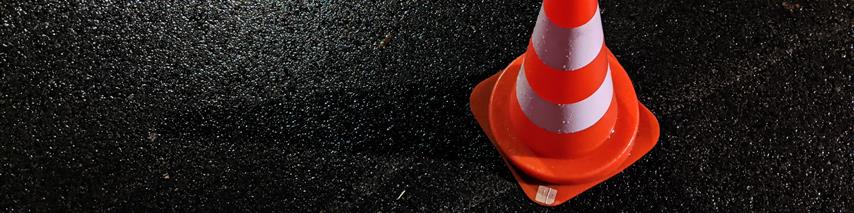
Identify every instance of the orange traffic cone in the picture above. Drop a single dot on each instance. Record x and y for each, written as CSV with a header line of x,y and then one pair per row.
x,y
564,115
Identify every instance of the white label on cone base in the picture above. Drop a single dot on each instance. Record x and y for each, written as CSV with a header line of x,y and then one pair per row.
x,y
546,195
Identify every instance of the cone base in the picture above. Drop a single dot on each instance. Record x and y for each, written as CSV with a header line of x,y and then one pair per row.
x,y
551,193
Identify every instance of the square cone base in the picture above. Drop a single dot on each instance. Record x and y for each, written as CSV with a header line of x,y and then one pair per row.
x,y
549,194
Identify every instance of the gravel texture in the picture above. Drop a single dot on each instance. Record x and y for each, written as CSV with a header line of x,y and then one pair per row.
x,y
363,105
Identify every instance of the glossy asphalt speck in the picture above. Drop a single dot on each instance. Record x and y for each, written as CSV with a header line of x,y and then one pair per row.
x,y
363,106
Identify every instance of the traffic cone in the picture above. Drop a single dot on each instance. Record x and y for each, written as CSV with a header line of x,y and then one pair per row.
x,y
564,115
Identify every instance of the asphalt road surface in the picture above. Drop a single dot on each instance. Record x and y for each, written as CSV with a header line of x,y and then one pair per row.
x,y
363,106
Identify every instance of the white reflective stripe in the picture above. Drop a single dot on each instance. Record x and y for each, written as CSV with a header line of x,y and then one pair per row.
x,y
546,195
564,118
567,48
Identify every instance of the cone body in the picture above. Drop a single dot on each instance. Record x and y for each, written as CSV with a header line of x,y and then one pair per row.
x,y
564,89
564,115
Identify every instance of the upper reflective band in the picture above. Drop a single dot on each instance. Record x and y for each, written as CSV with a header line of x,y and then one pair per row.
x,y
567,48
564,118
570,13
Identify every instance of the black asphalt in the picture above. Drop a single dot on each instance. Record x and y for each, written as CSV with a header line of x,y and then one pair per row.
x,y
363,106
